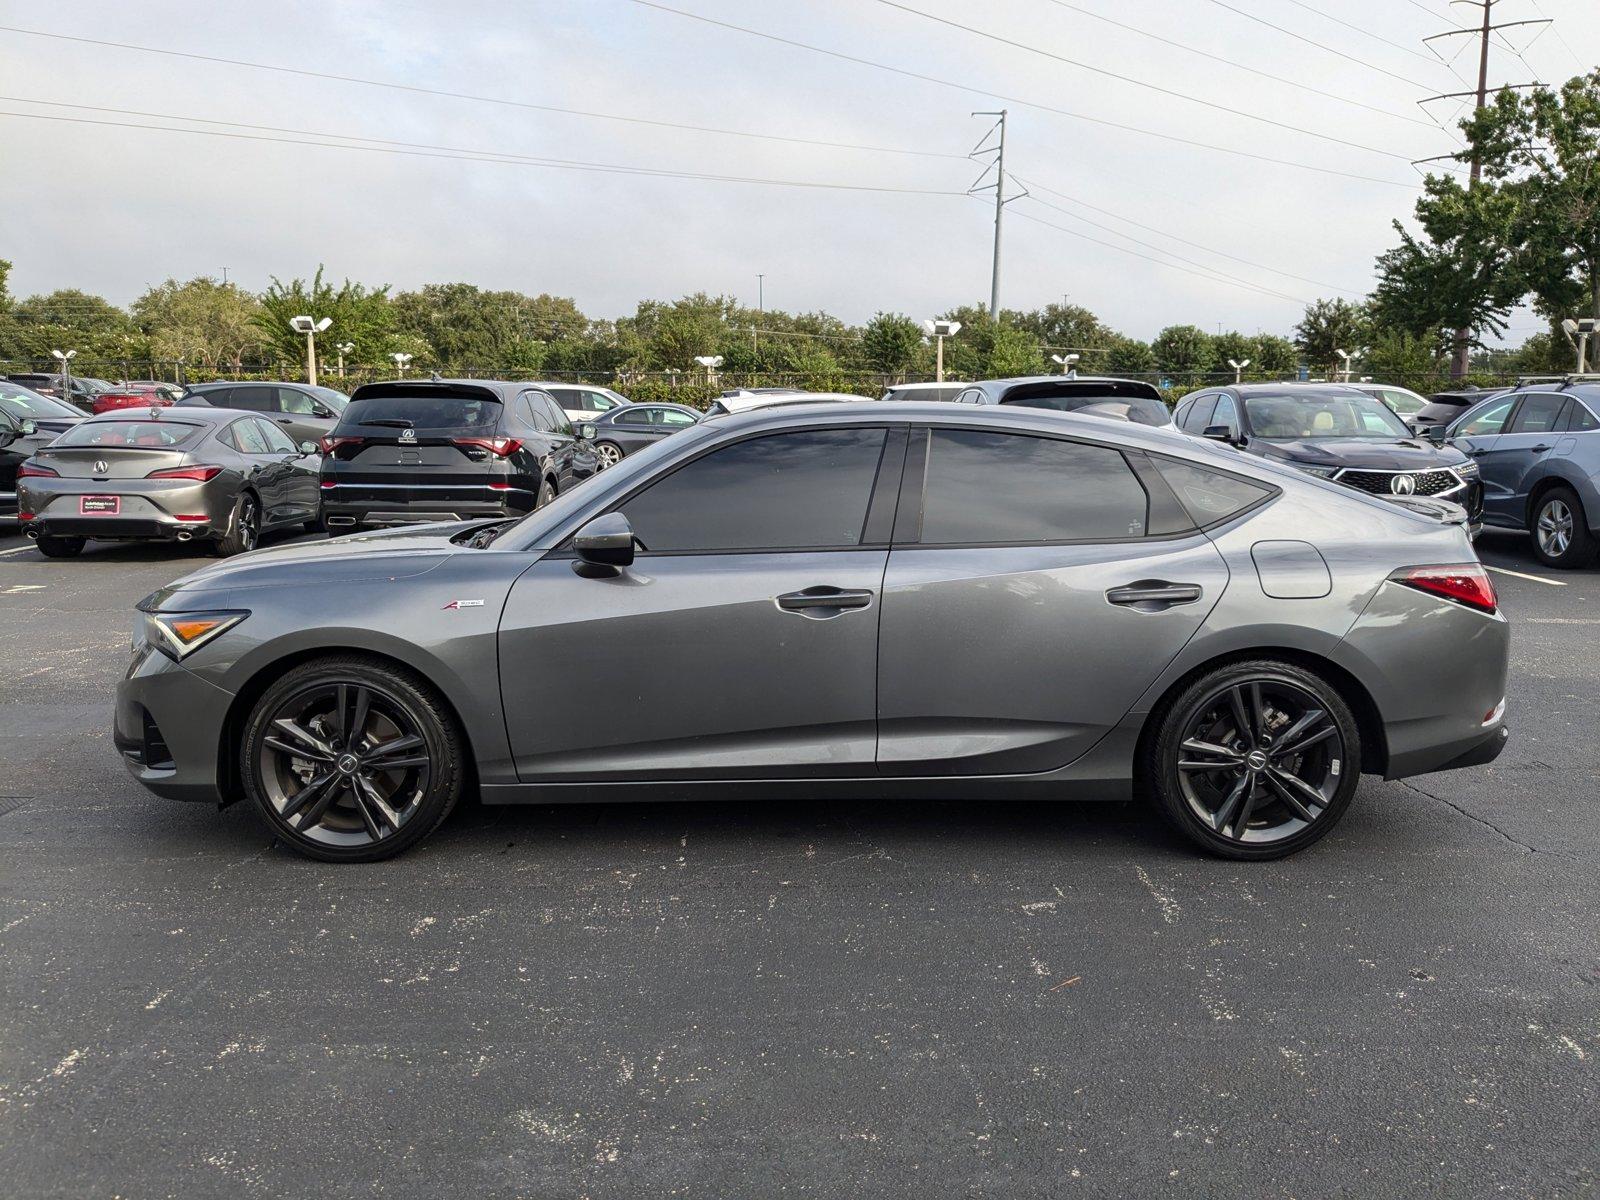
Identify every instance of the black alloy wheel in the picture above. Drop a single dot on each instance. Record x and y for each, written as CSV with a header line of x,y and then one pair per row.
x,y
1257,760
351,760
244,533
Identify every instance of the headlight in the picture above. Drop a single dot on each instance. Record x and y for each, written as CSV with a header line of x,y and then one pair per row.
x,y
1467,470
1319,472
180,634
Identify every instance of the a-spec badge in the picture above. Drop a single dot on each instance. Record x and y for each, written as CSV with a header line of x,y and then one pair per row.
x,y
408,435
455,605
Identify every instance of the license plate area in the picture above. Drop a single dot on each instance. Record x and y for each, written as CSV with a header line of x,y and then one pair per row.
x,y
99,506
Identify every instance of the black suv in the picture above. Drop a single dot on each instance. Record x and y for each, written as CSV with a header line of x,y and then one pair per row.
x,y
1337,433
419,450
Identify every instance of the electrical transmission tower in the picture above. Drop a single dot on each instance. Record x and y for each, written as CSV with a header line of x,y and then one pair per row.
x,y
994,143
1484,31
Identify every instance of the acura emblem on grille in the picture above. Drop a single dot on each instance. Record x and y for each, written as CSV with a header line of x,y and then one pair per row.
x,y
1403,485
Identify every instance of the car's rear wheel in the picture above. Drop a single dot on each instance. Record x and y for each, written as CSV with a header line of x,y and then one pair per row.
x,y
547,493
1561,536
244,529
610,454
351,760
1255,760
60,547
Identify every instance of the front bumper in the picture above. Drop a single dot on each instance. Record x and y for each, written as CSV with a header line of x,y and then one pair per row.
x,y
168,728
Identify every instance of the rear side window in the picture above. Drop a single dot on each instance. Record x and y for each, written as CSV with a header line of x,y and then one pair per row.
x,y
1540,413
1581,420
809,488
424,412
255,399
157,434
1001,487
1209,496
633,416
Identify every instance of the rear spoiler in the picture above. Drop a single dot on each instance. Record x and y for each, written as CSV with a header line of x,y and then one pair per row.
x,y
1446,512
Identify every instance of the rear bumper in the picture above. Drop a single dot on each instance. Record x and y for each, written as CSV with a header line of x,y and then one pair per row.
x,y
349,505
118,529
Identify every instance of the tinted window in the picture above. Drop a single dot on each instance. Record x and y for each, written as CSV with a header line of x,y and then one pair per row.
x,y
808,488
559,421
128,433
424,412
1198,415
278,442
254,399
1003,487
248,438
215,397
1540,413
1581,420
633,416
1491,418
1227,413
970,396
535,413
1209,496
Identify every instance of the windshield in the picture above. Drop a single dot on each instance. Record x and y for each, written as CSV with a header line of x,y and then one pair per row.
x,y
30,406
154,435
1291,418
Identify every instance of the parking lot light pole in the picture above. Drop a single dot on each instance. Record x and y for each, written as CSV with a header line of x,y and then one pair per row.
x,y
1345,357
310,326
710,362
1067,362
1238,368
1578,332
401,361
65,357
938,331
343,348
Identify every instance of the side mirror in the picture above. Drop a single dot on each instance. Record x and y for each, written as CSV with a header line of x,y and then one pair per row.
x,y
587,431
1221,433
29,428
606,541
321,410
308,447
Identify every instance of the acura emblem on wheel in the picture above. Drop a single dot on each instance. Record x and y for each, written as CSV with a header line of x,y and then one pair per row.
x,y
1403,485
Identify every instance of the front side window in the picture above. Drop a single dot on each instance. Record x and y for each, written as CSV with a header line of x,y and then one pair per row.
x,y
1226,414
598,402
806,489
278,442
248,438
1490,419
1539,413
988,488
1198,415
291,401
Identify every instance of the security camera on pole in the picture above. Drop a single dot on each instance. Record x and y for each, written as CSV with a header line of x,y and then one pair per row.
x,y
65,357
1238,368
310,326
343,348
710,362
1346,357
401,361
1068,364
939,330
1579,331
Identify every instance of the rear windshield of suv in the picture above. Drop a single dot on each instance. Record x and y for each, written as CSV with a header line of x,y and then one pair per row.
x,y
424,412
154,435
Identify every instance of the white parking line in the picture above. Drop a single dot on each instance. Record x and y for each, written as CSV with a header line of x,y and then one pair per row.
x,y
1520,575
18,550
1559,621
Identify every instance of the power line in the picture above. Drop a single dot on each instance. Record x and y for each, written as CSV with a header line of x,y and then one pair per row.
x,y
1217,58
1036,186
1137,82
1300,37
1362,30
499,100
1034,104
506,159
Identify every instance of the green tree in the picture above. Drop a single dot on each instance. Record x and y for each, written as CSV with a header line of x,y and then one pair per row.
x,y
69,319
468,327
204,322
1274,357
1236,346
1330,325
1130,356
1183,350
1400,357
1013,352
359,314
890,343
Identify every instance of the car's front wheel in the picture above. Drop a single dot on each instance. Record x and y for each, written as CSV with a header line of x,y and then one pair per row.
x,y
610,454
1560,531
350,759
1254,760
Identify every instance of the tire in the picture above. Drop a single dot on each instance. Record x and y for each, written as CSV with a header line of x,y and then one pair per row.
x,y
547,493
1561,536
610,454
1230,795
316,791
316,525
60,547
244,528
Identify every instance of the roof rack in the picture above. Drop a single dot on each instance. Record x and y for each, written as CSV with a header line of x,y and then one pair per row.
x,y
1566,380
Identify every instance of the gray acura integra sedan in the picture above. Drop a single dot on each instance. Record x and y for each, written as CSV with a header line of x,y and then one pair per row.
x,y
856,600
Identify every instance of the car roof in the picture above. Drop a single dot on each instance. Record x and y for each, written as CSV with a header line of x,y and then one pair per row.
x,y
502,389
920,387
747,401
1109,385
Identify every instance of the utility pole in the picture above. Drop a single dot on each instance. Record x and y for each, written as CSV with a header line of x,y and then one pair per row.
x,y
761,294
1461,357
998,149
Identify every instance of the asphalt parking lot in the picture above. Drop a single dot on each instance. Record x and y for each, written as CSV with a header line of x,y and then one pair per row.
x,y
819,999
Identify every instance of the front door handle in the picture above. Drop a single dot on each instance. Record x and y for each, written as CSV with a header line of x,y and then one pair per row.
x,y
1538,449
1477,453
1153,595
821,599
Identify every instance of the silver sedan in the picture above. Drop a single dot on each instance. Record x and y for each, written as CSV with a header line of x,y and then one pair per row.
x,y
167,475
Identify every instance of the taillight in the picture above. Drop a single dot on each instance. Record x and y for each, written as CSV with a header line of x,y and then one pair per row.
x,y
1464,583
330,444
501,446
198,474
32,468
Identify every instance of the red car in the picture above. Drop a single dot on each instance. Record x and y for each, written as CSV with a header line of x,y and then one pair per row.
x,y
131,395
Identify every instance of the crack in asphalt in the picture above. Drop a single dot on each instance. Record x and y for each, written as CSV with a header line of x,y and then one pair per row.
x,y
1471,816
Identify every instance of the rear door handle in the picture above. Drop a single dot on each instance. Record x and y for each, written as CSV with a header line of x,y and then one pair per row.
x,y
1152,595
823,597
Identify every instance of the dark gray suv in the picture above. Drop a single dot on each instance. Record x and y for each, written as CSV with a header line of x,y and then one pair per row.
x,y
1538,449
306,413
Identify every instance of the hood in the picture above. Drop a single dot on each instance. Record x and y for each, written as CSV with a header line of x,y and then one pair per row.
x,y
1377,454
391,554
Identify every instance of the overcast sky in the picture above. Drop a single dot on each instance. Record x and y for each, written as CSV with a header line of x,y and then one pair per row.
x,y
112,210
